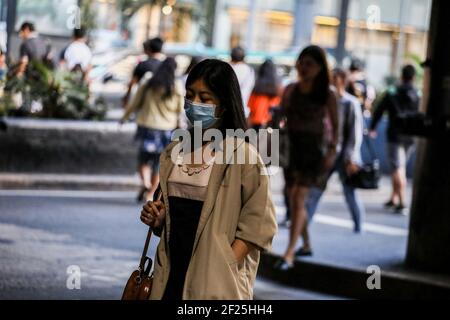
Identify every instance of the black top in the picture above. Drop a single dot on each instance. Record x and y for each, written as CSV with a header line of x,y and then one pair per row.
x,y
402,101
306,135
149,65
34,49
302,112
184,218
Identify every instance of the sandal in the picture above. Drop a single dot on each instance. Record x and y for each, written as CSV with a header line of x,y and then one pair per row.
x,y
389,204
141,195
282,265
302,252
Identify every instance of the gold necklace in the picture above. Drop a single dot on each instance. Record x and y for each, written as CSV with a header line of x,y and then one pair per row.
x,y
193,170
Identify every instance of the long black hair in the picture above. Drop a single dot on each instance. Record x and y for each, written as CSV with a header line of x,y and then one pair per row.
x,y
194,61
321,85
267,82
164,78
220,78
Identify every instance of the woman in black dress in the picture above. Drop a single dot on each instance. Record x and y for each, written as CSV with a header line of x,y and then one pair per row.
x,y
311,112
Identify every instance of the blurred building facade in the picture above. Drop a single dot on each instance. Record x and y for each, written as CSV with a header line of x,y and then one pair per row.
x,y
383,33
55,19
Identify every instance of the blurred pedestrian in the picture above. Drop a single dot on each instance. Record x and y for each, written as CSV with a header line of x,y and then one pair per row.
x,y
227,204
33,47
266,94
312,123
3,66
158,104
348,160
78,56
194,61
153,49
358,86
245,75
403,100
3,74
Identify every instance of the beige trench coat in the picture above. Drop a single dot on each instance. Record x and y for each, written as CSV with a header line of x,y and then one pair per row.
x,y
238,205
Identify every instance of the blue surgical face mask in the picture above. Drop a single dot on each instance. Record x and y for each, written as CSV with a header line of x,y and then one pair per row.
x,y
205,113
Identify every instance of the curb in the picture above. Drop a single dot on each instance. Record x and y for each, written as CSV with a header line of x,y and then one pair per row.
x,y
67,181
351,283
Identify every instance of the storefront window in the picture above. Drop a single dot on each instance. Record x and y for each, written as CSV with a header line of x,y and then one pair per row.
x,y
52,17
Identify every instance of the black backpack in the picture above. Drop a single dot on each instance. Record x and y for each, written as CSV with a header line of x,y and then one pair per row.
x,y
407,120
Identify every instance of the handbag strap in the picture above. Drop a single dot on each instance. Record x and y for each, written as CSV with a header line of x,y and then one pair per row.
x,y
144,252
147,242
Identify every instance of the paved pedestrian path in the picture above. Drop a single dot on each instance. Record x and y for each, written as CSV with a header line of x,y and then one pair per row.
x,y
383,243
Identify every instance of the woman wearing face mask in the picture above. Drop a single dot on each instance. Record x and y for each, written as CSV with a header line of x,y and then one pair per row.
x,y
311,112
215,215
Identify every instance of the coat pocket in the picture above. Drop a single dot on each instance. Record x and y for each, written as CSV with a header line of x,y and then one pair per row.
x,y
227,250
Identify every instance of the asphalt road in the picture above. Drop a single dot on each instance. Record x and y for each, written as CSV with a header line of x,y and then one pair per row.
x,y
45,236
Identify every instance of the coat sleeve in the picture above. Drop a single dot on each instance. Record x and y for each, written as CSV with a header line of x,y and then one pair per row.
x,y
158,231
355,120
257,222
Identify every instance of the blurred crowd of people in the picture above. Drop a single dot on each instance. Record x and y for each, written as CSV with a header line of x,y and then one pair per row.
x,y
325,116
76,56
322,113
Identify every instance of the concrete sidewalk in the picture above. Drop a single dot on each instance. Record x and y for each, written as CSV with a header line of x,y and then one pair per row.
x,y
341,258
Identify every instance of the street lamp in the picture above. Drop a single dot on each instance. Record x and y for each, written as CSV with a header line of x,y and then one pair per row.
x,y
167,10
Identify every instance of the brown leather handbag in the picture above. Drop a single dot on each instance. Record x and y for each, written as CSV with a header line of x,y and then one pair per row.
x,y
139,285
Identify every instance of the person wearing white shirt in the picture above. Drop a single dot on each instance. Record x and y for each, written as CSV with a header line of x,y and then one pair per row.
x,y
245,74
78,54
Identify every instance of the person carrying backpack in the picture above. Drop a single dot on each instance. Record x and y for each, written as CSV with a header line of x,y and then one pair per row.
x,y
401,101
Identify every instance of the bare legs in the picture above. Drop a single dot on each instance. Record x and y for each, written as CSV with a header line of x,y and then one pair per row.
x,y
398,186
150,180
306,239
144,173
297,197
154,185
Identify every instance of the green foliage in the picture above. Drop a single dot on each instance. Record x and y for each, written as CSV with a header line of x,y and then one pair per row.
x,y
416,61
88,15
129,7
3,104
51,94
